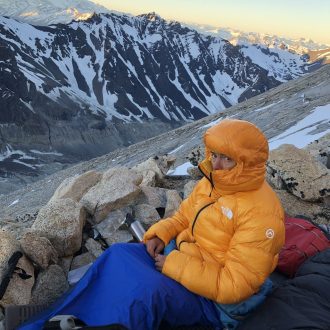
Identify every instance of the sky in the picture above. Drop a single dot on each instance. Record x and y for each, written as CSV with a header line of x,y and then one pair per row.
x,y
289,18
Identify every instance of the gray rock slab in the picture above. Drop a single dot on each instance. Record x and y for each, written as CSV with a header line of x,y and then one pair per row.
x,y
93,247
82,260
50,285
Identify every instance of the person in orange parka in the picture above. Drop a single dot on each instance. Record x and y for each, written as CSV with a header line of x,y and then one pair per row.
x,y
230,230
228,233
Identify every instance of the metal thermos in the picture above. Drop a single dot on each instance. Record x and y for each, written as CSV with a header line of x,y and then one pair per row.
x,y
134,226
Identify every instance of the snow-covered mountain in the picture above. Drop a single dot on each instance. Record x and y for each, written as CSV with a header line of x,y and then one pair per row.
x,y
237,37
136,68
75,91
320,55
48,12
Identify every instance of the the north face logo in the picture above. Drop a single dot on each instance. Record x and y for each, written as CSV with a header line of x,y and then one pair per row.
x,y
227,212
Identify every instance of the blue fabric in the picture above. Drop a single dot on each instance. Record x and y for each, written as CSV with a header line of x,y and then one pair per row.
x,y
123,286
170,247
232,314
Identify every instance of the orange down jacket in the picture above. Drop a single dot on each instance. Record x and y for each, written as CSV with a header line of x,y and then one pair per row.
x,y
230,229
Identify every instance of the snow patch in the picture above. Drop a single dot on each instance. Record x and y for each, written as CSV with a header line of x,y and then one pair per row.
x,y
176,149
46,153
212,123
180,170
14,202
301,133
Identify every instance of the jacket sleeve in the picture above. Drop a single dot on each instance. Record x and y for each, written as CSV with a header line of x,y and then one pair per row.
x,y
248,262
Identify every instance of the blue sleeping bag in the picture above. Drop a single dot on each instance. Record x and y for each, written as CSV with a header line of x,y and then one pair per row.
x,y
123,286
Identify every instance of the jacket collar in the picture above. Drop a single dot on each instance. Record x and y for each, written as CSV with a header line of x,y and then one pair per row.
x,y
227,182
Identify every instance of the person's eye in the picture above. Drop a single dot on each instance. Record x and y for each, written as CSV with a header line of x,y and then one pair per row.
x,y
226,158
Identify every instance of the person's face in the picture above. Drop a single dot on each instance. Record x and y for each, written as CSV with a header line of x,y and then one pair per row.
x,y
221,162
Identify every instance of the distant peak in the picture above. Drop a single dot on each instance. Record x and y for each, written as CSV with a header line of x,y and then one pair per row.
x,y
151,16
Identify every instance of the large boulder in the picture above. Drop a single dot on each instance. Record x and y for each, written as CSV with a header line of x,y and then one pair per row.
x,y
61,221
188,188
65,263
118,187
173,201
196,155
158,164
50,285
195,173
38,249
76,187
153,196
320,150
149,178
294,206
299,173
18,291
146,214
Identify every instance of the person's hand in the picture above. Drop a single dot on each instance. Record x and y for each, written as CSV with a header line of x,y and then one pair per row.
x,y
154,246
160,259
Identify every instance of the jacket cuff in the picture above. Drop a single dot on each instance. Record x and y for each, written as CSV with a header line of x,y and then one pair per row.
x,y
158,231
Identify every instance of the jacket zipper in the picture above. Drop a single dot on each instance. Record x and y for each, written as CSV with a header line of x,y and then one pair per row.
x,y
212,185
208,178
194,222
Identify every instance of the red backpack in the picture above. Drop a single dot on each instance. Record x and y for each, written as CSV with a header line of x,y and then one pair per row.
x,y
303,239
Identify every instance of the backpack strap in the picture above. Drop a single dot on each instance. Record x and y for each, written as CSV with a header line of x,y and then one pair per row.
x,y
11,269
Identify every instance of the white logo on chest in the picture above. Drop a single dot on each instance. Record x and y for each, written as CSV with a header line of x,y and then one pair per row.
x,y
227,212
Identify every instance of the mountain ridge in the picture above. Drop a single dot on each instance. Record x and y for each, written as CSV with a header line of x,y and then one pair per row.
x,y
76,91
48,12
53,12
269,111
235,36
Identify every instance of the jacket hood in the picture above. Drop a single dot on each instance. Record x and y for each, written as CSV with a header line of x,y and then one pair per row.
x,y
247,145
